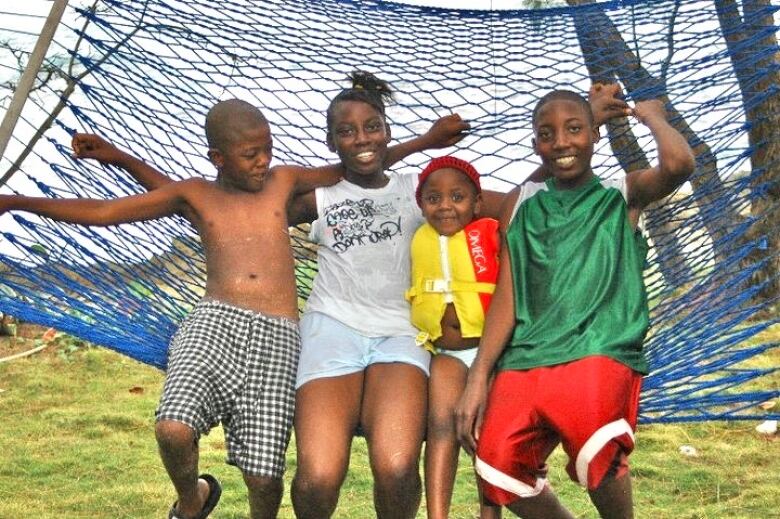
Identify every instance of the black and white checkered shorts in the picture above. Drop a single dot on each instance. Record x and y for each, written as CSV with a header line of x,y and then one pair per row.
x,y
235,366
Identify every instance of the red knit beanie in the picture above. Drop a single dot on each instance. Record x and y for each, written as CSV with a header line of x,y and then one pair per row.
x,y
448,161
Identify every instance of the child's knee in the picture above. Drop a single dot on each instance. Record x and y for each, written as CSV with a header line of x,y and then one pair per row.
x,y
441,423
608,463
263,486
321,482
170,434
616,469
397,472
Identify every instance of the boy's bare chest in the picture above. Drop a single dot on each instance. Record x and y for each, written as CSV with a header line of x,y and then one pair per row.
x,y
248,254
243,217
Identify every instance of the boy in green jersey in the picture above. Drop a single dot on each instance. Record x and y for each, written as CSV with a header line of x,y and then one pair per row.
x,y
568,318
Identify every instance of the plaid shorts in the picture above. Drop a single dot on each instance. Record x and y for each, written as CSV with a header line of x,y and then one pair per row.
x,y
237,367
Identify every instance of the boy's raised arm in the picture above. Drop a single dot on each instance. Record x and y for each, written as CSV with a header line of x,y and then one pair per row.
x,y
606,103
308,179
165,201
675,158
90,146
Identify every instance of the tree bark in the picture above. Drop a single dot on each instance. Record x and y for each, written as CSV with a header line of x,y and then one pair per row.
x,y
754,53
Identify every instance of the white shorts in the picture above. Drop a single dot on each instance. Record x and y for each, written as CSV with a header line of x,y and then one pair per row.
x,y
465,356
330,348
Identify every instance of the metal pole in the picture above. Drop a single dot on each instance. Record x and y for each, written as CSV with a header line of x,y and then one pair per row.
x,y
30,72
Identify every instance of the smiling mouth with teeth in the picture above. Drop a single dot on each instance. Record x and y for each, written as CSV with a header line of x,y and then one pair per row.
x,y
565,161
366,155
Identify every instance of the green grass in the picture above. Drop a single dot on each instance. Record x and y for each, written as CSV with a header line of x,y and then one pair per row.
x,y
77,441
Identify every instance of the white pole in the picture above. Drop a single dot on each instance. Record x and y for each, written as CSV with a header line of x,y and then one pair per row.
x,y
30,72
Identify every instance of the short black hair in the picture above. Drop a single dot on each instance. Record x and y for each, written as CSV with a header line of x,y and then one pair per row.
x,y
226,117
366,88
566,95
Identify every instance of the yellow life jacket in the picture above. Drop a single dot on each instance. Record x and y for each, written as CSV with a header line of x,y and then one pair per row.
x,y
459,269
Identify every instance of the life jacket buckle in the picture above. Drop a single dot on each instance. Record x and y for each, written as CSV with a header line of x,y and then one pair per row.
x,y
438,285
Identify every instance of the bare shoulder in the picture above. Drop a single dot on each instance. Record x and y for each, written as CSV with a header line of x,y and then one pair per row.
x,y
508,207
192,187
285,175
511,197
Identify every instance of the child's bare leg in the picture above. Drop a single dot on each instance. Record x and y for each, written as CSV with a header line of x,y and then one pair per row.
x,y
393,414
613,498
327,411
448,378
265,494
543,506
487,509
179,452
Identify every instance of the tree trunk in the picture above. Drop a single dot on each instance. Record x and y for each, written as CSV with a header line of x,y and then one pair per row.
x,y
748,36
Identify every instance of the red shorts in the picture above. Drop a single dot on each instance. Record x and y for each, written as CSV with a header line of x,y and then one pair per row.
x,y
589,405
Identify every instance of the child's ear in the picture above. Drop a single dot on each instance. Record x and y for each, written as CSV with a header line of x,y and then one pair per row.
x,y
216,157
596,134
478,206
533,145
387,133
329,142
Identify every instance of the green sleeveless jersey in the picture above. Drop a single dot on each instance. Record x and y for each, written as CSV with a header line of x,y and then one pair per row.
x,y
577,273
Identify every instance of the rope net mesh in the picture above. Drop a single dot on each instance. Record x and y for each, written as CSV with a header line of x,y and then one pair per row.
x,y
146,72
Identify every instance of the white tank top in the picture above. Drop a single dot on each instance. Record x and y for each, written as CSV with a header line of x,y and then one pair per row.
x,y
364,238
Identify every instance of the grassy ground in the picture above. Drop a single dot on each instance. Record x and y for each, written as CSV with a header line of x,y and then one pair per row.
x,y
77,441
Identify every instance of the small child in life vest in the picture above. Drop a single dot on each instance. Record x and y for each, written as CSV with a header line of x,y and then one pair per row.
x,y
454,268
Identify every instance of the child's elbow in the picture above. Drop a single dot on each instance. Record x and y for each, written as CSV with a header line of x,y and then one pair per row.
x,y
681,167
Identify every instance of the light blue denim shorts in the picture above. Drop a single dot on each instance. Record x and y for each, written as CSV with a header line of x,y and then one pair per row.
x,y
330,349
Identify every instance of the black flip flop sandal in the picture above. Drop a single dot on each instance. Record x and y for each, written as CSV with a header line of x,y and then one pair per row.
x,y
215,491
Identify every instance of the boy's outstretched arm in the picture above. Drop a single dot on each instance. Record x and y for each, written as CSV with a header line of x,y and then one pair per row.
x,y
499,325
165,201
307,179
90,146
675,158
